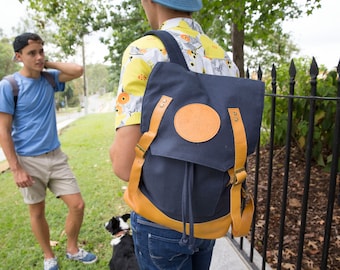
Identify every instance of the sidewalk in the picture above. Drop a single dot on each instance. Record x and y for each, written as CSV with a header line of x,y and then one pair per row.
x,y
225,255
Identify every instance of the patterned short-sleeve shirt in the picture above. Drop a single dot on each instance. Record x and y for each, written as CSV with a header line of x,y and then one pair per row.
x,y
202,55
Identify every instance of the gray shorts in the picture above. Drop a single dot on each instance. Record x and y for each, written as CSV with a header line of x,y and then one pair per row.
x,y
50,170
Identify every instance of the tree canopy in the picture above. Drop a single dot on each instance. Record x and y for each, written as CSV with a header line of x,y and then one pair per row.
x,y
8,66
235,24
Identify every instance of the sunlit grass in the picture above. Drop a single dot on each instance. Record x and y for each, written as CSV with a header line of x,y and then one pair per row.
x,y
86,142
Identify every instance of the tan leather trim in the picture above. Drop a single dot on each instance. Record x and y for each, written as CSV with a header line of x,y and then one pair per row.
x,y
207,230
197,123
241,220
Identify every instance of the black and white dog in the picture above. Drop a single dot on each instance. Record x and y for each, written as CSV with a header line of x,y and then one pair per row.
x,y
123,255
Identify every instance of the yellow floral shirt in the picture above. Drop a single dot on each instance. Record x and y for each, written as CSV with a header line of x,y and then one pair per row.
x,y
202,55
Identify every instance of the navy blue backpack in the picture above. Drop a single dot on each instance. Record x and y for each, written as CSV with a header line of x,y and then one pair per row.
x,y
197,131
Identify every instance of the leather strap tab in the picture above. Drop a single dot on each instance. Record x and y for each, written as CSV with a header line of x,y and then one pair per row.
x,y
241,220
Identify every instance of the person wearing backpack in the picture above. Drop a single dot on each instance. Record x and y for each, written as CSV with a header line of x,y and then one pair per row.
x,y
157,246
29,139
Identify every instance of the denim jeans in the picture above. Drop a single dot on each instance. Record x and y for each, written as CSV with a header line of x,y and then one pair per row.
x,y
158,247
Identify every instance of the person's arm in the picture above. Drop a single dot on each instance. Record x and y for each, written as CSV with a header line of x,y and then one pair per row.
x,y
122,150
21,178
68,71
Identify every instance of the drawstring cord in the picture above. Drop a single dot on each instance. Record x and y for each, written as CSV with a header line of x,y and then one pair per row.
x,y
187,212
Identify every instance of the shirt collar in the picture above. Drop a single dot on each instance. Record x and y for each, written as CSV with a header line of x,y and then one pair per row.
x,y
185,23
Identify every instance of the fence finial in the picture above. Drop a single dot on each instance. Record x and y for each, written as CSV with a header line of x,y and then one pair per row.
x,y
292,70
273,73
259,73
314,70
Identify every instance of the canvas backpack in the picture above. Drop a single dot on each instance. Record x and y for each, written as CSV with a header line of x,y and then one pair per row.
x,y
197,131
15,88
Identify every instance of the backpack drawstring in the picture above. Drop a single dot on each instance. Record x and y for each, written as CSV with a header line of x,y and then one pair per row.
x,y
187,212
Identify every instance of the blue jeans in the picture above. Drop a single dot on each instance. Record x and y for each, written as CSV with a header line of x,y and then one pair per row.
x,y
158,247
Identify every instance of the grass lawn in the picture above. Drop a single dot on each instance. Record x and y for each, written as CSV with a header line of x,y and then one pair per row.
x,y
86,142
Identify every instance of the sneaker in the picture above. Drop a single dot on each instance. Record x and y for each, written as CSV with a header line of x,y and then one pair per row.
x,y
51,264
82,256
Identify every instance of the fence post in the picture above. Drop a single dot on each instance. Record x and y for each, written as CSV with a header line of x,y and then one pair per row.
x,y
256,181
332,183
292,74
314,71
270,168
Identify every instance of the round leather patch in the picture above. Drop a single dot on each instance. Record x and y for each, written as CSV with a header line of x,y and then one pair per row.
x,y
197,122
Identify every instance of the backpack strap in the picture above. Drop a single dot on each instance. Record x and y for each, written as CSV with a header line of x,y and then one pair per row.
x,y
49,77
146,139
171,46
241,219
15,88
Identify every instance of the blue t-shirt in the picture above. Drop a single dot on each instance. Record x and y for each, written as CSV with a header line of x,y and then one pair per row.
x,y
34,128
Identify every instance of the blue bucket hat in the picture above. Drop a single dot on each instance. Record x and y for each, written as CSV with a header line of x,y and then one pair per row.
x,y
183,5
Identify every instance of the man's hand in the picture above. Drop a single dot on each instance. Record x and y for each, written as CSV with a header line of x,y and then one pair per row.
x,y
22,179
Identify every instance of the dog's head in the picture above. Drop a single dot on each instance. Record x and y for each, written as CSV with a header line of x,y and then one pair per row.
x,y
118,224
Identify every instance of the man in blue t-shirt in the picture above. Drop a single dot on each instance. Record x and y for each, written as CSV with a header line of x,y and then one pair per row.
x,y
29,139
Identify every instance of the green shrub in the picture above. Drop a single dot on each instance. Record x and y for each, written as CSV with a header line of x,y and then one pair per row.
x,y
324,118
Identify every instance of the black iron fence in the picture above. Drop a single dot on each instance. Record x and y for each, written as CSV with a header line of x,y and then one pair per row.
x,y
297,218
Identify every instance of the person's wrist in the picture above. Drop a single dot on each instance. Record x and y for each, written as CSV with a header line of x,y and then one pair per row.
x,y
45,66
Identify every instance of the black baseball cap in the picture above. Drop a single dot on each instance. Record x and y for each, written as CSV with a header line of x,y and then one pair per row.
x,y
21,41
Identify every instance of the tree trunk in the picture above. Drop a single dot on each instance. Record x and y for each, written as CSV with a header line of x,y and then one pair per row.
x,y
237,40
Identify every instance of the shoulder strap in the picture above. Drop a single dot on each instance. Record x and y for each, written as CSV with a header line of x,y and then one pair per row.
x,y
171,45
15,88
49,77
